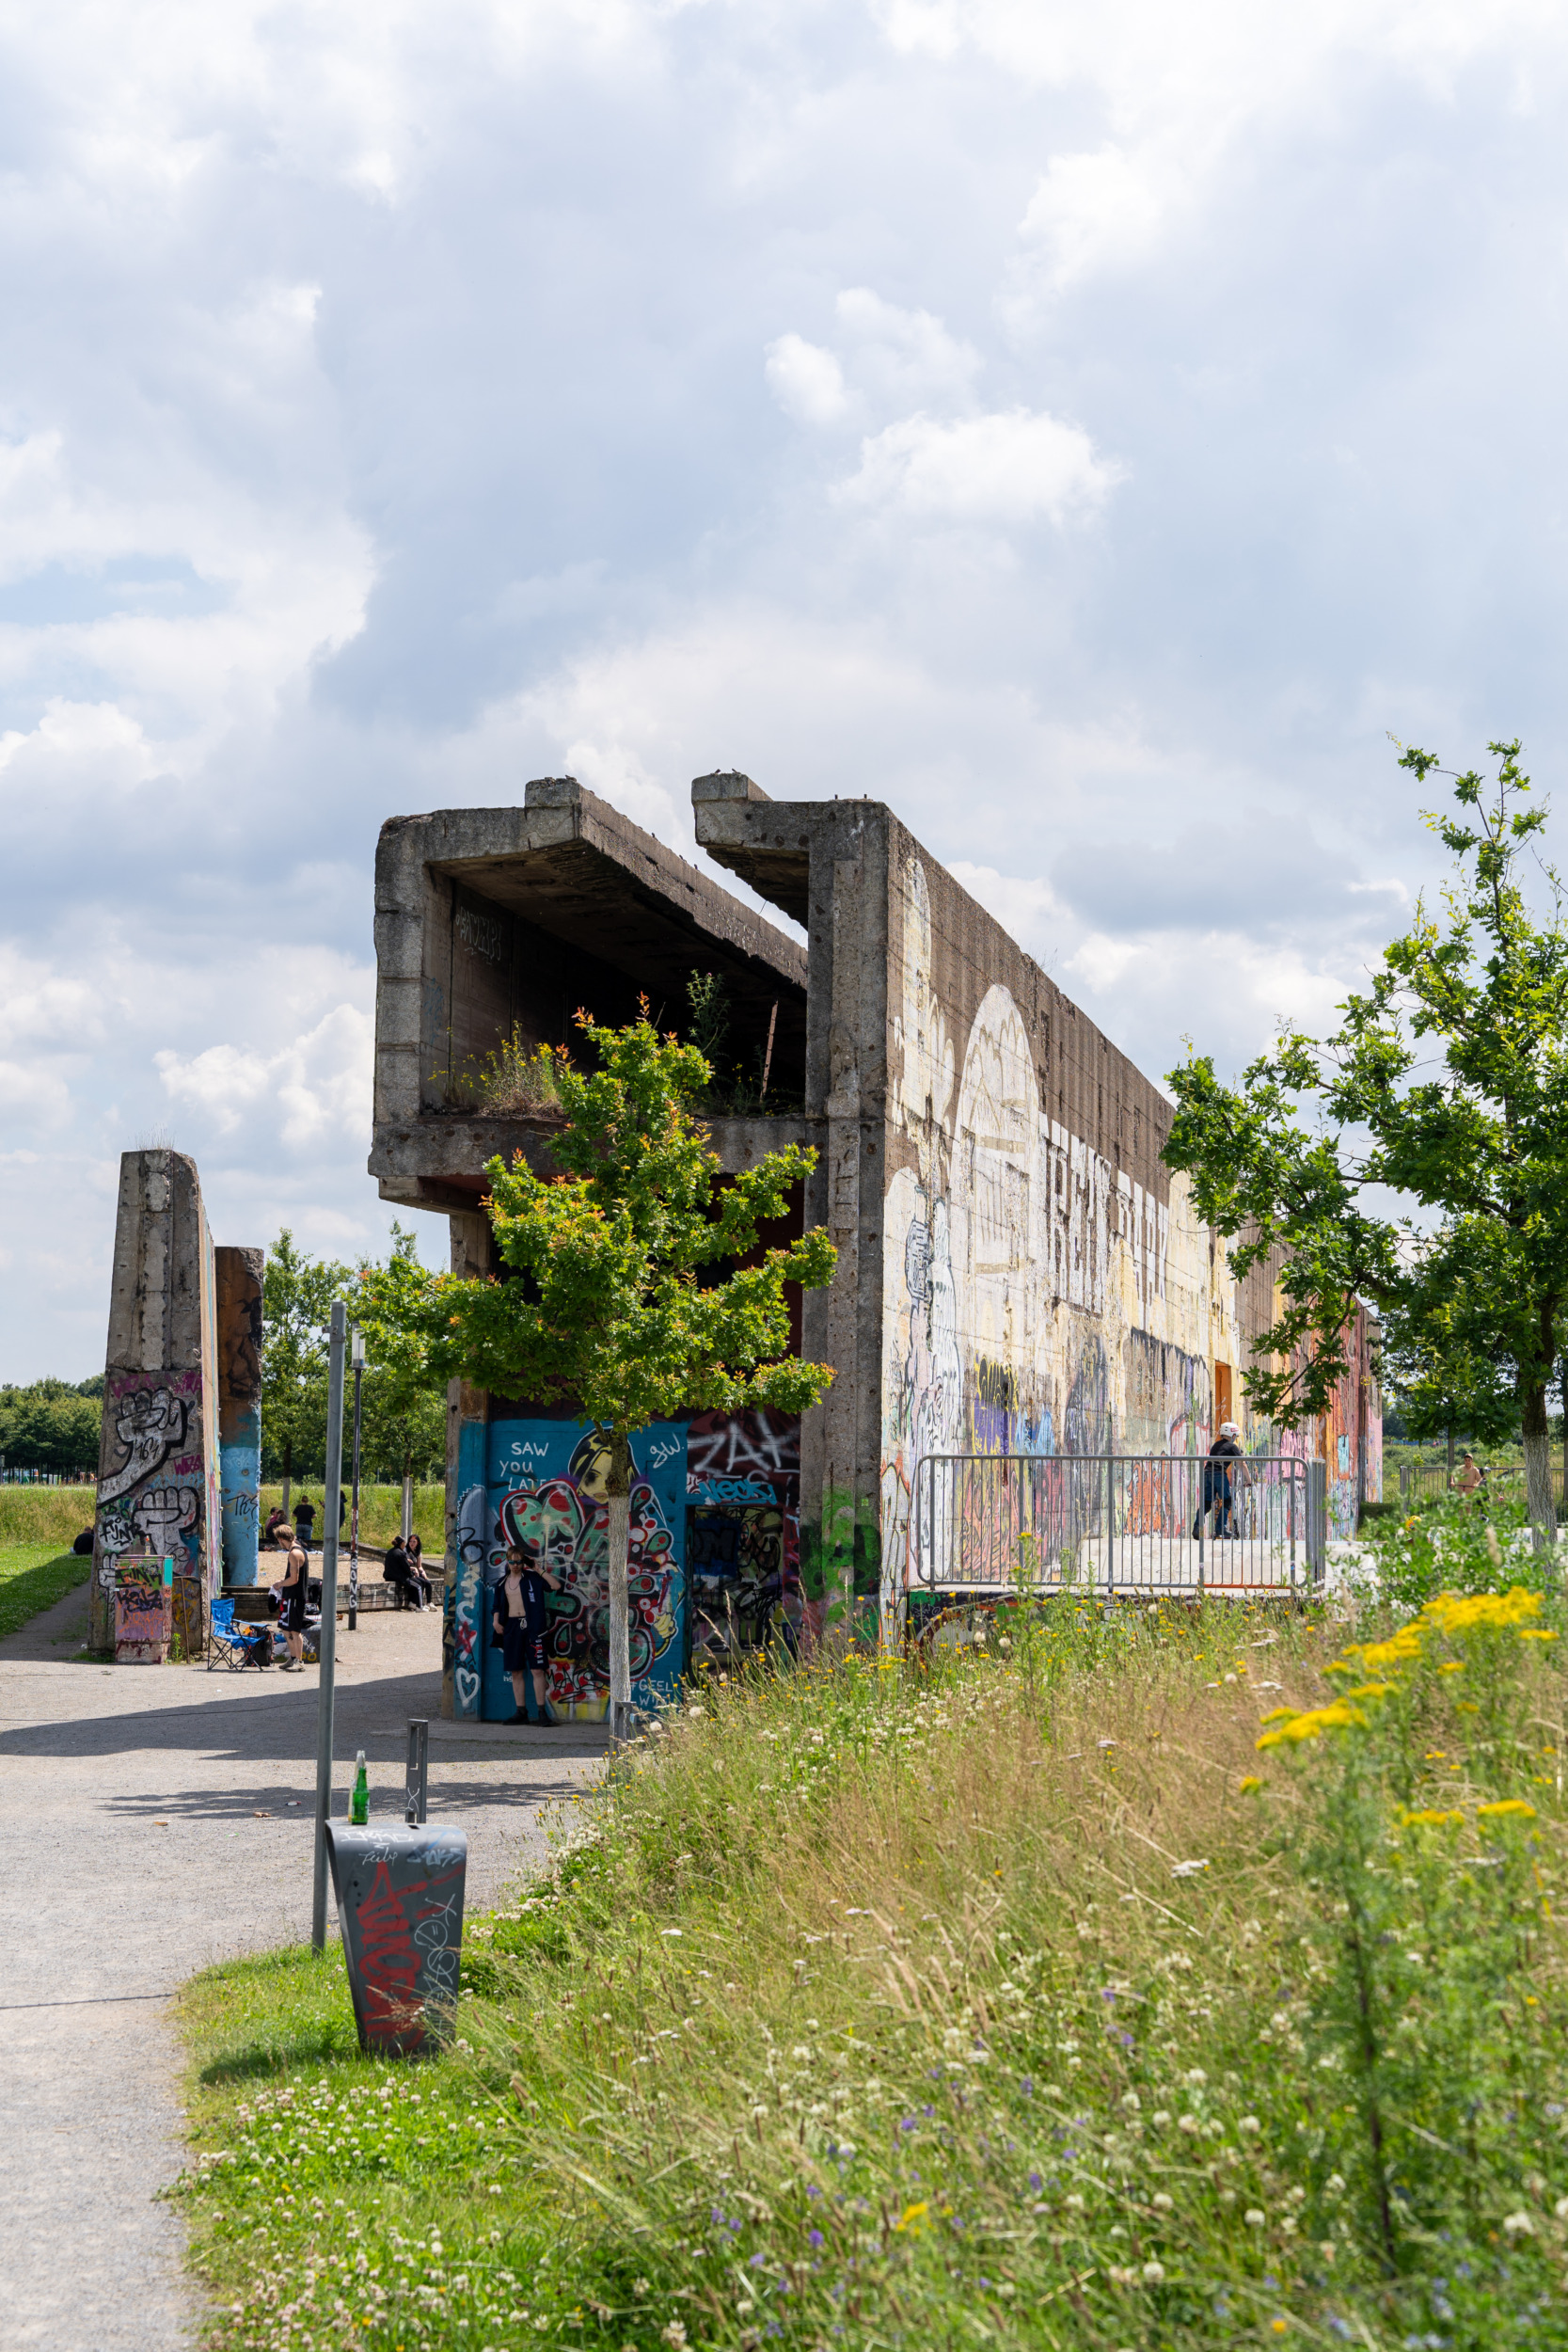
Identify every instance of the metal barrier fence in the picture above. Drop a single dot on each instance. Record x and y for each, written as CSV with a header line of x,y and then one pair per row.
x,y
1117,1523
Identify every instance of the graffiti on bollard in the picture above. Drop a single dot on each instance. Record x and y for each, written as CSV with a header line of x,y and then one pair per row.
x,y
400,1907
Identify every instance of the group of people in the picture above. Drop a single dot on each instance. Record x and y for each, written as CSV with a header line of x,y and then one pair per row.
x,y
276,1533
403,1567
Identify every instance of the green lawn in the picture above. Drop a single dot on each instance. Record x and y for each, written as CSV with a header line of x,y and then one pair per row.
x,y
32,1577
998,1995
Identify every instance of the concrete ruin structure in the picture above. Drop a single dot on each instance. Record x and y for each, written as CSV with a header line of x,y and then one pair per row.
x,y
180,1458
1019,1275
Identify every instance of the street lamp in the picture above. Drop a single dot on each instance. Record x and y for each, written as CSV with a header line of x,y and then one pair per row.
x,y
357,1358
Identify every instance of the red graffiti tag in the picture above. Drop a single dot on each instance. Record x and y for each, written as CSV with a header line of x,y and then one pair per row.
x,y
389,1964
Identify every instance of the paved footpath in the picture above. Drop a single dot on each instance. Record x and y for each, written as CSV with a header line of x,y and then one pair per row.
x,y
158,1820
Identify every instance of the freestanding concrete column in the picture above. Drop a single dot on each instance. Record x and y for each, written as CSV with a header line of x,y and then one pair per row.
x,y
158,1462
239,1318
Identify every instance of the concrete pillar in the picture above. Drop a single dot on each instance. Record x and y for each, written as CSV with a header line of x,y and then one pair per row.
x,y
158,1463
239,1325
468,1503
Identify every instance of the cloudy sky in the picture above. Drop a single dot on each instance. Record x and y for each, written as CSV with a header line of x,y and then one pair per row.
x,y
1092,430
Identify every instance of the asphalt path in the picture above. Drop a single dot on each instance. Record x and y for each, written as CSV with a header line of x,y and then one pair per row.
x,y
158,1820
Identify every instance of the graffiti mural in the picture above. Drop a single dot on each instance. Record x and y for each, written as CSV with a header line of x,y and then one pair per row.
x,y
1036,1300
546,1484
149,1502
743,1500
150,1421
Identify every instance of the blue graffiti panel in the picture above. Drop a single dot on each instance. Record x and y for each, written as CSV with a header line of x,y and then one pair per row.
x,y
545,1483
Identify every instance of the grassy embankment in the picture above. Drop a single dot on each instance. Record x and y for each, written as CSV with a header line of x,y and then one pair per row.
x,y
380,1511
33,1576
1009,1995
37,1524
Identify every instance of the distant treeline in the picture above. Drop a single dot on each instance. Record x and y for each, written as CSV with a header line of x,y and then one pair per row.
x,y
51,1425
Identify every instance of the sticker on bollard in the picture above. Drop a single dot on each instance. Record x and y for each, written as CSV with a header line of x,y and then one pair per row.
x,y
400,1906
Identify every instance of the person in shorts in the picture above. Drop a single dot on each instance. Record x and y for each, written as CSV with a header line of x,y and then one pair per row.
x,y
292,1615
518,1617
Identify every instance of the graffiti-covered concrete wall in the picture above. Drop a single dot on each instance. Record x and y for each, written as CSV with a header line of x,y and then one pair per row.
x,y
1017,1272
158,1477
239,1336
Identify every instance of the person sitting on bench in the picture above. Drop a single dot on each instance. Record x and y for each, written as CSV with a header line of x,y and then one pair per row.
x,y
410,1585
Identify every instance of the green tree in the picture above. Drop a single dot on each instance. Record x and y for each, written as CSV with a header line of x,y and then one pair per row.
x,y
51,1426
610,1302
297,1294
403,1415
1447,1084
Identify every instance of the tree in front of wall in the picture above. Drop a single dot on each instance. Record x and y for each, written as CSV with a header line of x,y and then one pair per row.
x,y
612,1303
1447,1083
403,1415
297,1295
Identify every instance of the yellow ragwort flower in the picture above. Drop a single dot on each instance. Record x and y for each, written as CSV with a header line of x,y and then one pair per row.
x,y
1535,1634
1249,1784
1508,1808
1313,1725
1453,1667
1431,1818
1492,1613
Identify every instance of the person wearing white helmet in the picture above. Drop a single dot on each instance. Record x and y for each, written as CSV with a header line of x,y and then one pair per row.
x,y
1216,1493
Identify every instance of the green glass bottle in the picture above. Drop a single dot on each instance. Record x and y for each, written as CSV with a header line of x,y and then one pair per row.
x,y
360,1803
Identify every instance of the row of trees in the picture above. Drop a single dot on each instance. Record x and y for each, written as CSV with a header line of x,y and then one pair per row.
x,y
52,1426
1418,1157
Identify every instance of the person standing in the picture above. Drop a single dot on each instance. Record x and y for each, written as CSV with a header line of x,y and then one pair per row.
x,y
296,1572
519,1618
1216,1494
305,1521
1472,1482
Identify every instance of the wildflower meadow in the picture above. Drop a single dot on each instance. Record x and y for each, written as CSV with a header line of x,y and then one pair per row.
x,y
1118,1977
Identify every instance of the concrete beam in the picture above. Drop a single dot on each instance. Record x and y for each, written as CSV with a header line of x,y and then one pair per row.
x,y
439,1163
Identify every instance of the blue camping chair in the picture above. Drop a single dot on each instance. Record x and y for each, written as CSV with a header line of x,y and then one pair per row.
x,y
236,1646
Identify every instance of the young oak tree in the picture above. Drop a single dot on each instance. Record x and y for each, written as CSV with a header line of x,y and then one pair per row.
x,y
609,1301
1448,1084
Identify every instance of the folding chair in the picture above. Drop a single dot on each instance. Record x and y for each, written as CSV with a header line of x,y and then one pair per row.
x,y
235,1647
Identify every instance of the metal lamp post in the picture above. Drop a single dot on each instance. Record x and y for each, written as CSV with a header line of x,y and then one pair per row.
x,y
327,1637
357,1352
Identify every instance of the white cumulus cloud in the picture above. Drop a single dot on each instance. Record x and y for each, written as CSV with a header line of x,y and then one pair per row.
x,y
806,381
1014,466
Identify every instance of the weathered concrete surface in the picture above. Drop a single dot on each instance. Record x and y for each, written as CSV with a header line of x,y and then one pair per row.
x,y
158,1820
239,1333
437,1161
158,1458
487,919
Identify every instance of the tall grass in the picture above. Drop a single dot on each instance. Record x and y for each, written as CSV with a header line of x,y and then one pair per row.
x,y
1004,1994
45,1515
